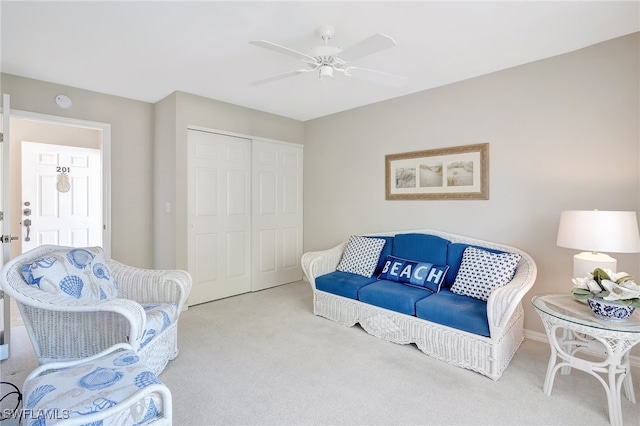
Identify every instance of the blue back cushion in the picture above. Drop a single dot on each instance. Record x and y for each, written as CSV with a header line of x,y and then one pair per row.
x,y
386,251
421,247
454,259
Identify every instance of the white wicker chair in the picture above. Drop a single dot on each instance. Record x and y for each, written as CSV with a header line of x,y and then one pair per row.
x,y
63,329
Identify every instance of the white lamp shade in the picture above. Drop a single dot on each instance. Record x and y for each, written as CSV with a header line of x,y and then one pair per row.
x,y
596,230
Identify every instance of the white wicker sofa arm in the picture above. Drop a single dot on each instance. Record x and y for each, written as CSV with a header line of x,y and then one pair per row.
x,y
316,263
151,286
504,301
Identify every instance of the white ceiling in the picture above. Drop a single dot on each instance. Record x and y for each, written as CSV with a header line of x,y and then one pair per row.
x,y
145,50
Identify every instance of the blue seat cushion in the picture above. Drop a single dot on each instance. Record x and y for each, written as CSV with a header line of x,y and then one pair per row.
x,y
454,259
343,284
393,296
421,247
455,311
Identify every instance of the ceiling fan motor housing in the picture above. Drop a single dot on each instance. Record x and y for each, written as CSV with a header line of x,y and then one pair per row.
x,y
326,54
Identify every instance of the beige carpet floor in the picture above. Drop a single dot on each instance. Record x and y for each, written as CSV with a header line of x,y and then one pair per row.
x,y
264,359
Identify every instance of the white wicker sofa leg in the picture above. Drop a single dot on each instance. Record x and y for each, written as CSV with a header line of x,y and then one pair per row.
x,y
486,354
114,387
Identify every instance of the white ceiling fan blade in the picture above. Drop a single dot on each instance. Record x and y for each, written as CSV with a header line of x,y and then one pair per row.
x,y
376,76
279,76
373,44
285,50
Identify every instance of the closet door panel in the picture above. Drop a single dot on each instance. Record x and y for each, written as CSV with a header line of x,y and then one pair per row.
x,y
219,215
277,214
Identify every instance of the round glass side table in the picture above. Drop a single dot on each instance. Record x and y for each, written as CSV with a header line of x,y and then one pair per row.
x,y
572,328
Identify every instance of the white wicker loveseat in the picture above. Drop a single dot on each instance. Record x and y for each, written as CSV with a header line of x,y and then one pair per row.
x,y
488,355
63,328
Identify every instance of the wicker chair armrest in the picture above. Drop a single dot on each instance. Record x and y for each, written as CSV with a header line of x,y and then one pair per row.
x,y
316,263
151,285
504,301
53,366
64,328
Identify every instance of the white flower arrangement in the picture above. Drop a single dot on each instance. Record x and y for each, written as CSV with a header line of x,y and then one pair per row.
x,y
608,285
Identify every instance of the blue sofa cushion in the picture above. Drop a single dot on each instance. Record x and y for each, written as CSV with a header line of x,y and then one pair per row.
x,y
411,272
343,284
482,271
454,258
386,251
393,296
421,247
361,255
455,311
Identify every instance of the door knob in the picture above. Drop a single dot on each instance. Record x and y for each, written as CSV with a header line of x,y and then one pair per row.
x,y
27,223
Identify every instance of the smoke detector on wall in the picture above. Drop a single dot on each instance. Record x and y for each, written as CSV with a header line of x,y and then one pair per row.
x,y
63,101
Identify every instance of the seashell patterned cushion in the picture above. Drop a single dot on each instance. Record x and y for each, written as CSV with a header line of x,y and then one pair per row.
x,y
91,387
81,273
159,317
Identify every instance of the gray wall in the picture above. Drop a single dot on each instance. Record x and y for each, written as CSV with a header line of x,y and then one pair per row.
x,y
131,156
563,133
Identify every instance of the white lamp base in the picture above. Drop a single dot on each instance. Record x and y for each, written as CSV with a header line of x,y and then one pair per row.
x,y
586,262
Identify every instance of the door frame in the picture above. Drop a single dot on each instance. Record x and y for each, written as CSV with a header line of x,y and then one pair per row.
x,y
105,149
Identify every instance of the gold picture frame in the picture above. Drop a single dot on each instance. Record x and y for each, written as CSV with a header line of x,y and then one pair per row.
x,y
455,173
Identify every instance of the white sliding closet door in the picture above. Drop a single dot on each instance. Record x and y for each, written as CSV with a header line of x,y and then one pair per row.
x,y
219,215
277,213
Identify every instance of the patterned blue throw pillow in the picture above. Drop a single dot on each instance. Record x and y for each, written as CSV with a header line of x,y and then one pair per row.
x,y
361,255
81,273
482,271
413,272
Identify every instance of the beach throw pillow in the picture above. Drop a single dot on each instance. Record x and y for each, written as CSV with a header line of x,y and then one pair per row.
x,y
80,273
361,255
413,272
482,271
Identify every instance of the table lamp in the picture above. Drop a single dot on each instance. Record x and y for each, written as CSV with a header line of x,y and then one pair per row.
x,y
596,231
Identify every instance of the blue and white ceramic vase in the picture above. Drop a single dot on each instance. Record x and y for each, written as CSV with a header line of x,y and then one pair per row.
x,y
610,310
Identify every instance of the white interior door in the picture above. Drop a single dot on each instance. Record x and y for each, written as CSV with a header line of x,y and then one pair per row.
x,y
277,213
61,195
219,215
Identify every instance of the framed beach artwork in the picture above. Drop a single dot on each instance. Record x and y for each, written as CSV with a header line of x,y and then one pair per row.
x,y
455,173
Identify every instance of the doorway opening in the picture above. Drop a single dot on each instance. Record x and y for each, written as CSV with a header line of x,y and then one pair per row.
x,y
62,153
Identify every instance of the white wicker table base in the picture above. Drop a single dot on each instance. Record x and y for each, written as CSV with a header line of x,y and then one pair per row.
x,y
569,336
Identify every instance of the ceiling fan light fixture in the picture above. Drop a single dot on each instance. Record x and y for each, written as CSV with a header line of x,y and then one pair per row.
x,y
326,71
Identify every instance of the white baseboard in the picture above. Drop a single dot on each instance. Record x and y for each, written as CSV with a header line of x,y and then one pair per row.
x,y
542,337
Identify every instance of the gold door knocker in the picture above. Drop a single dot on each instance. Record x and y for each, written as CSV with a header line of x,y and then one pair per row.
x,y
64,185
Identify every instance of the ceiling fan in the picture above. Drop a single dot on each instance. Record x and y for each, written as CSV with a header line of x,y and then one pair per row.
x,y
327,59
